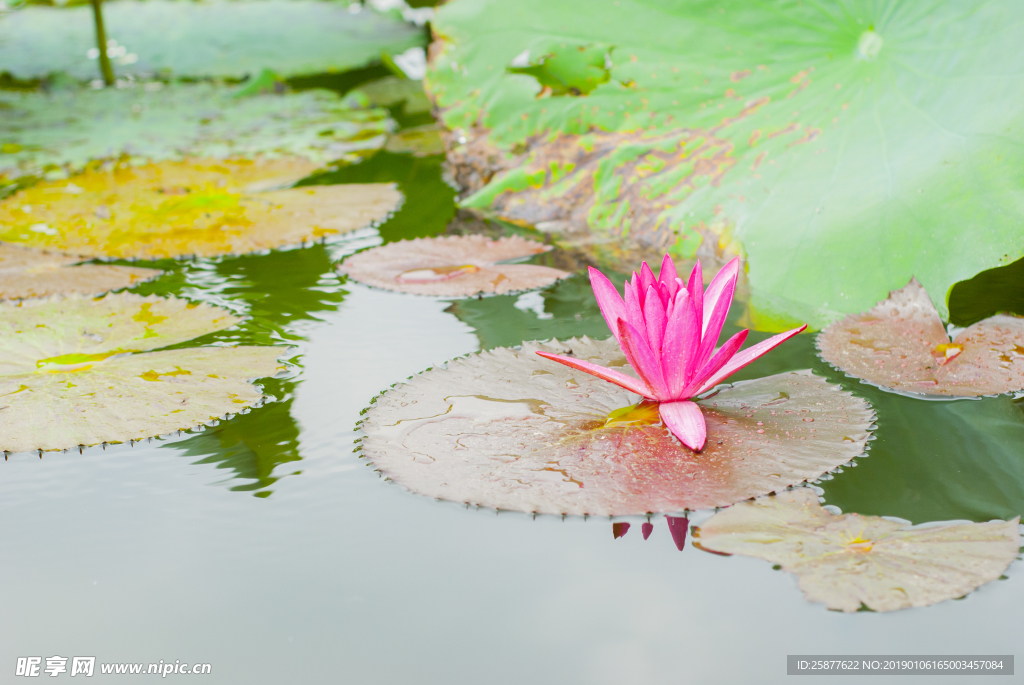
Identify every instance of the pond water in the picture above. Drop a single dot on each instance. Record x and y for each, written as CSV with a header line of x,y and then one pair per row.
x,y
268,548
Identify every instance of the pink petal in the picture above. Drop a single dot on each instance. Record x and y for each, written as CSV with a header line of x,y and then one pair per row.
x,y
668,275
677,526
746,356
654,317
715,320
696,289
647,279
729,272
642,359
647,529
686,423
619,529
682,338
608,299
665,294
634,310
611,375
721,358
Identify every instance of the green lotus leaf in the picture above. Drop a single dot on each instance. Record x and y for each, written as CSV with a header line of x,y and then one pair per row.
x,y
848,561
841,148
569,70
993,291
223,39
66,129
77,371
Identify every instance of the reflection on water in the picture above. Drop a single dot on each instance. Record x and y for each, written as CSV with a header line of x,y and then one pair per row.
x,y
429,201
935,461
565,310
251,445
678,526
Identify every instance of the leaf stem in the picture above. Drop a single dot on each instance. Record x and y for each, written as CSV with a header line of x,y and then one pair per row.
x,y
101,42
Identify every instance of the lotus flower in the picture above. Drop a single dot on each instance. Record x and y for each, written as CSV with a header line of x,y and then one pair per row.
x,y
668,331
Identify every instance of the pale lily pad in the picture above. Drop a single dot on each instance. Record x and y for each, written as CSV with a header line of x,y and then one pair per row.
x,y
28,273
901,344
223,39
195,207
508,429
66,129
848,561
71,375
452,266
839,147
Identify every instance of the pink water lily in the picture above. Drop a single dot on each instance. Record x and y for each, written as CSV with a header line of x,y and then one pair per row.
x,y
668,331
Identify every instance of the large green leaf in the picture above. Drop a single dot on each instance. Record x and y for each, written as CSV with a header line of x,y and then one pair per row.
x,y
232,39
842,147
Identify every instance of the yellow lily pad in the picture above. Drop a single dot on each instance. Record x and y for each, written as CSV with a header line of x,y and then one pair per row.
x,y
77,371
193,207
28,273
850,560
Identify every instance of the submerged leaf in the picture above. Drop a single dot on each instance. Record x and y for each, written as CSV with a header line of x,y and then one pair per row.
x,y
29,273
834,145
900,344
421,141
70,128
849,560
452,266
69,374
224,39
510,430
195,207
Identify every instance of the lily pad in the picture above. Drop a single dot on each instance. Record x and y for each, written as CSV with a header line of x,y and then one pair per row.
x,y
71,375
848,561
901,344
452,266
195,207
222,39
64,130
834,147
508,429
29,273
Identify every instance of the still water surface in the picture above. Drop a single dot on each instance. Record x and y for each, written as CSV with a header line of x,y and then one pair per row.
x,y
266,547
